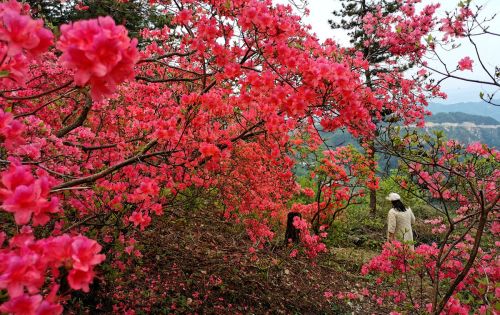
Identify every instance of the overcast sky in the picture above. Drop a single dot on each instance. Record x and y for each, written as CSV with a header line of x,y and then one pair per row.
x,y
458,91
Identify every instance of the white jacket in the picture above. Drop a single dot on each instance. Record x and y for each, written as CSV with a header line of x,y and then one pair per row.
x,y
400,223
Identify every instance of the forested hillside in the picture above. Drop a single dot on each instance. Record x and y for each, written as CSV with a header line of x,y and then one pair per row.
x,y
479,108
466,128
463,127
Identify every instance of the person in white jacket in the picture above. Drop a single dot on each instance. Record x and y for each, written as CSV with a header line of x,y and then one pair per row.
x,y
399,221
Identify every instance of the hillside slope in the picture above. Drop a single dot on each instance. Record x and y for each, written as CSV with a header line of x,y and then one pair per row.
x,y
472,108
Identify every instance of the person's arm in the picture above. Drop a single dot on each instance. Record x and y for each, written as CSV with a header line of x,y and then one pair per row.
x,y
412,217
391,225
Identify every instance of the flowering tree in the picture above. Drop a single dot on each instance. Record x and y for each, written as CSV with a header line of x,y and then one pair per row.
x,y
338,181
370,26
465,26
98,136
461,183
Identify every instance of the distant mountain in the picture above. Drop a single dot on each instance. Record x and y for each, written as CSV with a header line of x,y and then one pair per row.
x,y
466,128
473,108
462,118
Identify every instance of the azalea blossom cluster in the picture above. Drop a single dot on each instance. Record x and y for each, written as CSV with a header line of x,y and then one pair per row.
x,y
403,33
21,39
454,24
10,130
312,242
397,264
99,52
26,265
24,196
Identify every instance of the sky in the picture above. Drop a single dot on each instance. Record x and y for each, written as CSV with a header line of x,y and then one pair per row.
x,y
458,91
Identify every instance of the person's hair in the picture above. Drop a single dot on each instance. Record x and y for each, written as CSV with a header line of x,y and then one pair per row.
x,y
399,205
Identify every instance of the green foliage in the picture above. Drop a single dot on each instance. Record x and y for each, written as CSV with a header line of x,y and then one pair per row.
x,y
392,183
135,15
358,228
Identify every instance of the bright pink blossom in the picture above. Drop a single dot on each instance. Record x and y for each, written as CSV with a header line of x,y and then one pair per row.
x,y
209,150
21,32
84,253
17,273
22,305
10,130
140,218
80,280
24,196
184,16
100,52
465,64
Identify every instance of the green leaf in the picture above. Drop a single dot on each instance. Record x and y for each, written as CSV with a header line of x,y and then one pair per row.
x,y
4,73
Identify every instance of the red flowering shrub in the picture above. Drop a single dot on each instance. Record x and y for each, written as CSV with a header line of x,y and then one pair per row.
x,y
216,108
460,271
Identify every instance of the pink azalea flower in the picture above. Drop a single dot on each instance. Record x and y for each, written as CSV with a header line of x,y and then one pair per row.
x,y
80,280
138,218
465,64
19,272
100,52
209,149
14,176
58,248
84,253
23,304
184,16
10,129
21,32
26,200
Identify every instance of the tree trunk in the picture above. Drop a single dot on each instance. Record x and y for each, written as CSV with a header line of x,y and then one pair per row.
x,y
373,166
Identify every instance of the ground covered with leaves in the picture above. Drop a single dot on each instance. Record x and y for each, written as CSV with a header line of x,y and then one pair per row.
x,y
196,262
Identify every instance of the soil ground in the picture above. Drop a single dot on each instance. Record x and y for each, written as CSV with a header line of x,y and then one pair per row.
x,y
198,263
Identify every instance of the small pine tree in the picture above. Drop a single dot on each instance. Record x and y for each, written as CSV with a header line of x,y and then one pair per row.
x,y
351,19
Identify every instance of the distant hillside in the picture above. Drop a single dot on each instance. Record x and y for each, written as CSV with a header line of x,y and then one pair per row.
x,y
473,108
459,117
466,128
463,127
